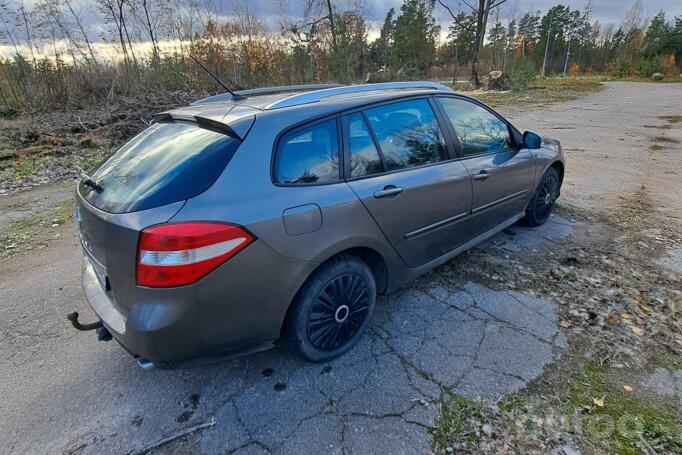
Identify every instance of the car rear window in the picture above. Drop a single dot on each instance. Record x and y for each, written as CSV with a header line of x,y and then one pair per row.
x,y
166,163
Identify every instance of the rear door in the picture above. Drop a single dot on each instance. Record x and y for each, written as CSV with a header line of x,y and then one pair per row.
x,y
400,167
502,172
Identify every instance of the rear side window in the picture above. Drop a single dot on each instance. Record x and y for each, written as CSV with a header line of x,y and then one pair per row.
x,y
478,130
309,156
408,134
364,156
166,163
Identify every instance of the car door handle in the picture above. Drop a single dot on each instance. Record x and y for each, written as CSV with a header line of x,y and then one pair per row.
x,y
389,190
483,175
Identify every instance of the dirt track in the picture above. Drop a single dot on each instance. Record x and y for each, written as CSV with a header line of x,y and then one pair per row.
x,y
608,139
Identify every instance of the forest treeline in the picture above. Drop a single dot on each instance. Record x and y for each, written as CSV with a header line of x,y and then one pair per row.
x,y
57,63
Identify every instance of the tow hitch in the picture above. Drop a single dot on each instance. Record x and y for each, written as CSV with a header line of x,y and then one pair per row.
x,y
102,333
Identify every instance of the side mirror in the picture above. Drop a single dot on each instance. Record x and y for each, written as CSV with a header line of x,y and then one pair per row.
x,y
532,140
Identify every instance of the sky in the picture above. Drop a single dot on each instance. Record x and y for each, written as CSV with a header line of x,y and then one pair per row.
x,y
606,11
271,12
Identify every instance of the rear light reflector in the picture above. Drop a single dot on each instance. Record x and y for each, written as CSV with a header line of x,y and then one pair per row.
x,y
178,254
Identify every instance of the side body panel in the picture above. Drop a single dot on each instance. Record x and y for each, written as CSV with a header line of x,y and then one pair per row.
x,y
502,186
428,218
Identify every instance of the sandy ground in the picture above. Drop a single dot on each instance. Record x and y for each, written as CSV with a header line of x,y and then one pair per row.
x,y
607,137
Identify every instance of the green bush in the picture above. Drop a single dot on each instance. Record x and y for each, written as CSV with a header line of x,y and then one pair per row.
x,y
523,75
647,67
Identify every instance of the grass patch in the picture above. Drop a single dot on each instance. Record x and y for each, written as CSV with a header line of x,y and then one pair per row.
x,y
24,233
542,91
655,147
671,118
662,138
665,80
548,415
624,424
456,427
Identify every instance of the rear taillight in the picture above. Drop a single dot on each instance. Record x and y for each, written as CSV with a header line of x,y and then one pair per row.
x,y
178,254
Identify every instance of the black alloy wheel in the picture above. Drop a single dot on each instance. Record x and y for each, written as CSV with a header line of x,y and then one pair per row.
x,y
339,310
332,309
541,205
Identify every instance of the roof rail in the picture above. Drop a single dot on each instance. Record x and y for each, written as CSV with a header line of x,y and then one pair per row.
x,y
225,97
318,95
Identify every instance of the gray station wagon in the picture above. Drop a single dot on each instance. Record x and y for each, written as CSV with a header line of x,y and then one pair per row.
x,y
282,213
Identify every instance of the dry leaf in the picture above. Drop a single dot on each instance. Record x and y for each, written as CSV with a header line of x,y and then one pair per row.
x,y
613,319
628,389
637,331
624,316
645,308
619,365
598,402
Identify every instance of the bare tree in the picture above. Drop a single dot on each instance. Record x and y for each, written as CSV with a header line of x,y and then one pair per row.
x,y
52,10
481,10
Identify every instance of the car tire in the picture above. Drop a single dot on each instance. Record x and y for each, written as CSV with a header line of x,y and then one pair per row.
x,y
542,203
332,309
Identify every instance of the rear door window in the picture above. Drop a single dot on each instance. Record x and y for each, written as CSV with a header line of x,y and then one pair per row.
x,y
309,156
166,163
408,134
364,156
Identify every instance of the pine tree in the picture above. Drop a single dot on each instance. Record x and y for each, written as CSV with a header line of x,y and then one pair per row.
x,y
416,33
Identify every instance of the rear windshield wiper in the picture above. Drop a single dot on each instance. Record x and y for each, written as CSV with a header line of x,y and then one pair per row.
x,y
89,181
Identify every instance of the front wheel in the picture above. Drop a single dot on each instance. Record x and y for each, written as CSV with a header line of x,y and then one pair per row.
x,y
332,309
543,200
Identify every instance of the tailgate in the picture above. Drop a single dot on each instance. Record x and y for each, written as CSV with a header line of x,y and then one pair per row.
x,y
110,243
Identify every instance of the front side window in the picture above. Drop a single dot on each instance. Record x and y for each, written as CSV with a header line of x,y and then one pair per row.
x,y
408,134
309,156
364,156
478,130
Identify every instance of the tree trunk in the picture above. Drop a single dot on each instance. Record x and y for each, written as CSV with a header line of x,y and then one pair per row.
x,y
481,26
155,49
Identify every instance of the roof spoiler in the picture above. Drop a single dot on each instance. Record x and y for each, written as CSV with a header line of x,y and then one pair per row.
x,y
203,121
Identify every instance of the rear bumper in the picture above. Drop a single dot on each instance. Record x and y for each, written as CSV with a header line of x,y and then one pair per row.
x,y
234,309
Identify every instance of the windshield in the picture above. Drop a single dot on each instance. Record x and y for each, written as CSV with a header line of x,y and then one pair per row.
x,y
166,163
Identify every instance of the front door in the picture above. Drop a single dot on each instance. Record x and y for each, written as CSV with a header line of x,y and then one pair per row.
x,y
400,168
502,173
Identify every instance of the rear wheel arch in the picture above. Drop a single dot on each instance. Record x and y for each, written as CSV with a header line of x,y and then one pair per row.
x,y
370,256
374,260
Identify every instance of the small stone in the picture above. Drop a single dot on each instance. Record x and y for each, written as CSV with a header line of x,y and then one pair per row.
x,y
487,430
449,449
570,450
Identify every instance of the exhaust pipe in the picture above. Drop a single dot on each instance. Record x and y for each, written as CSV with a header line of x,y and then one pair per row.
x,y
145,364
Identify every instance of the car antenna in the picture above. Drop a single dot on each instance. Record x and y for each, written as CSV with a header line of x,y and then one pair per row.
x,y
235,96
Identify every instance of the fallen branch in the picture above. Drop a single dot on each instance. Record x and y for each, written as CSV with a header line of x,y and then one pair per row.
x,y
173,436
